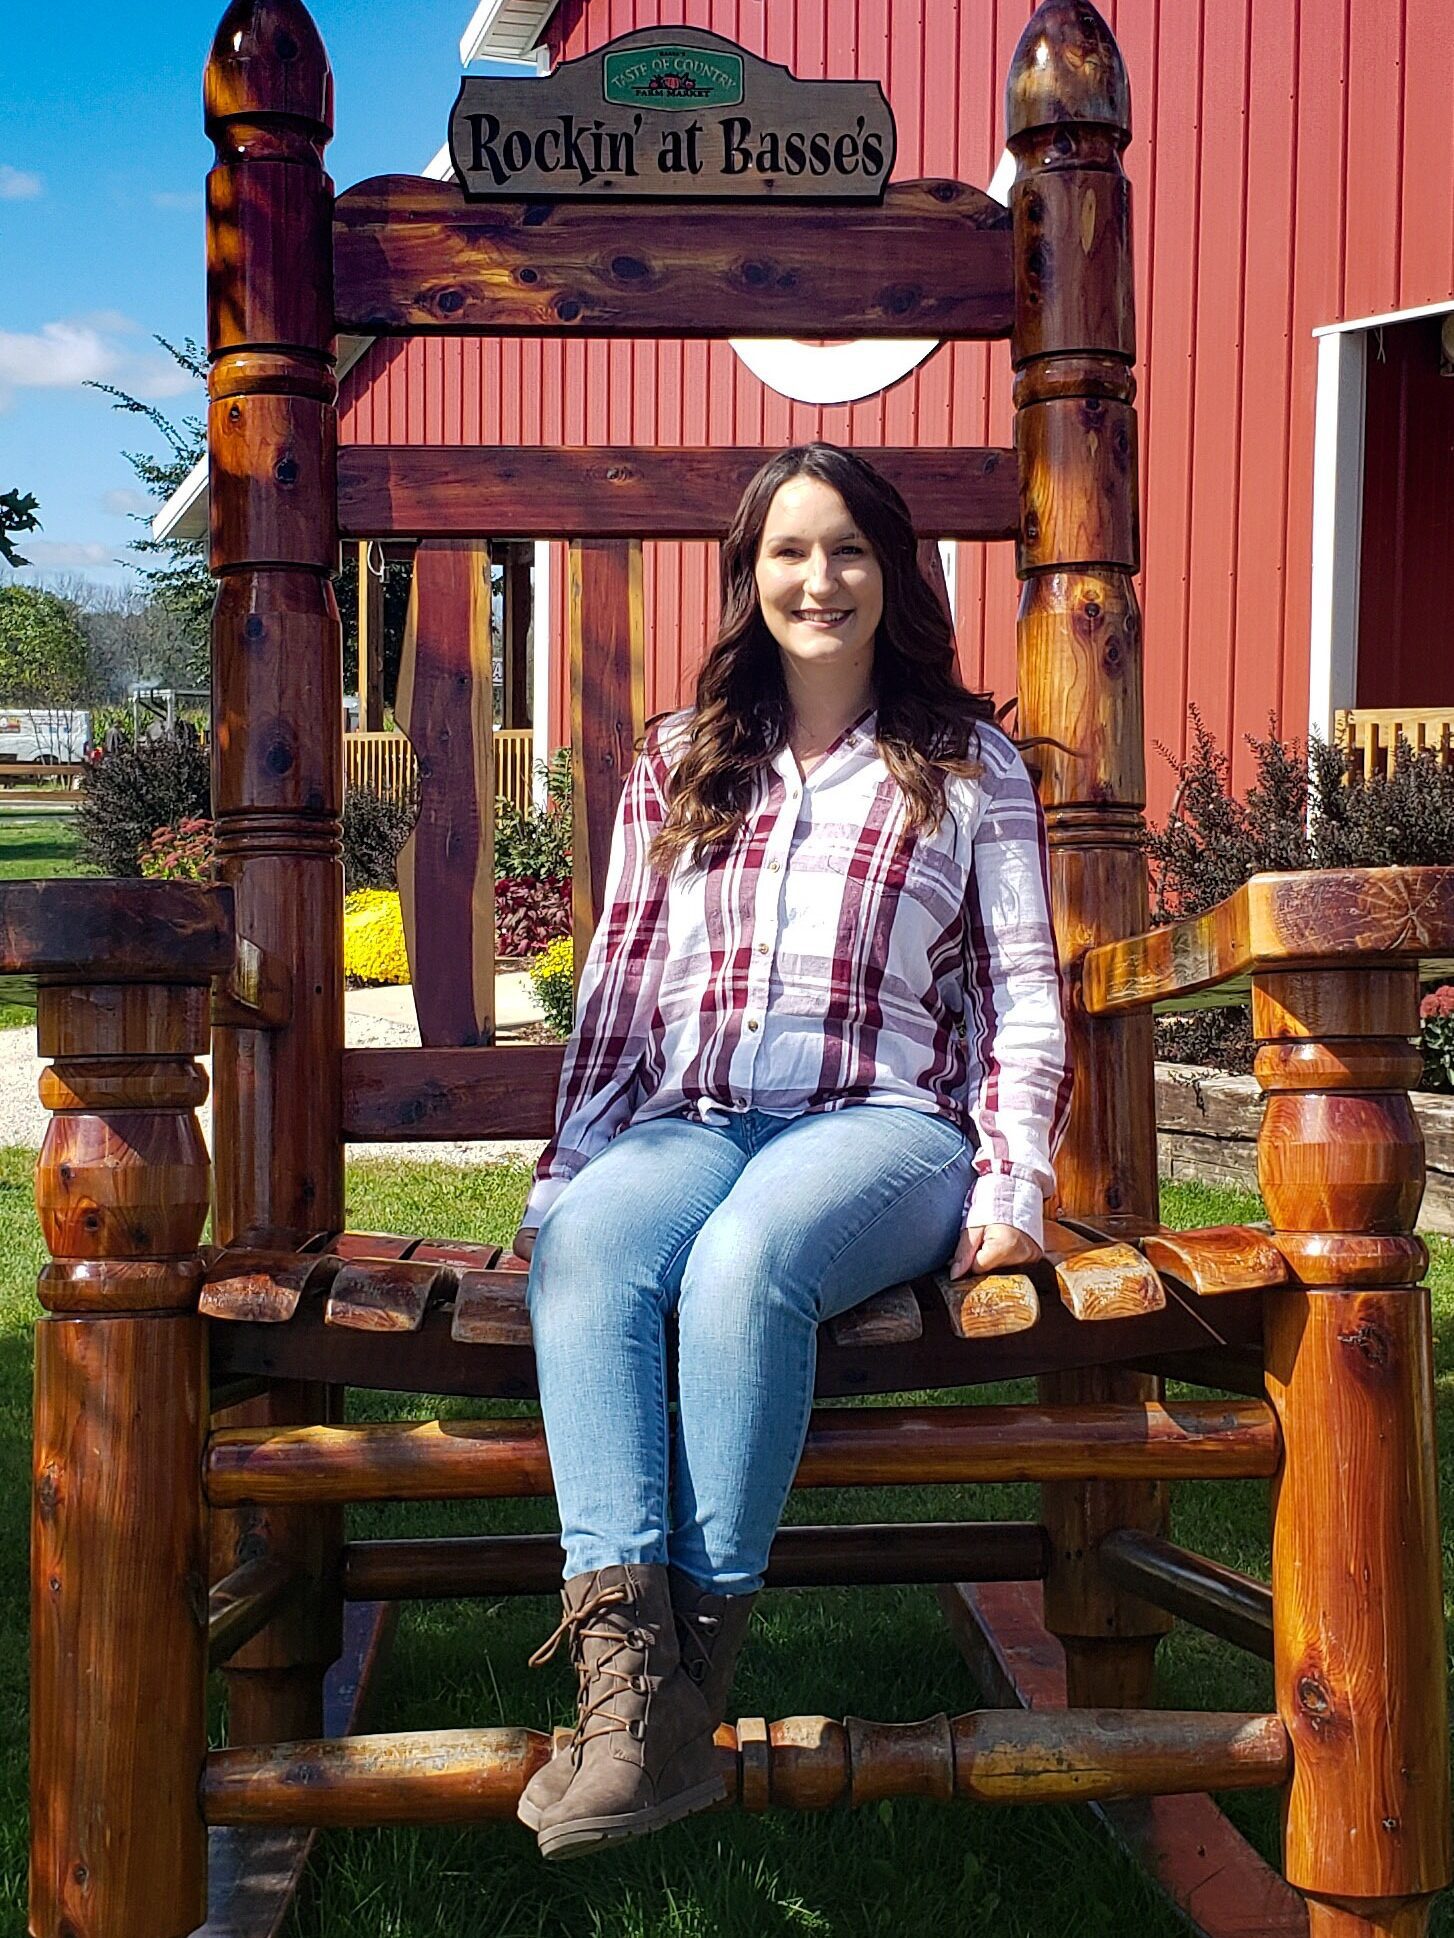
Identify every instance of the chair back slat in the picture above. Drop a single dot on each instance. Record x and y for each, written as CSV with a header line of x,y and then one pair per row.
x,y
447,866
608,709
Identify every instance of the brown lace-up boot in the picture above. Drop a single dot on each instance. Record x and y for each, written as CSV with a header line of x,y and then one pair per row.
x,y
711,1629
642,1754
710,1632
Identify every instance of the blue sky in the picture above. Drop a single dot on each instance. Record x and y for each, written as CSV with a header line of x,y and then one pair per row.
x,y
102,160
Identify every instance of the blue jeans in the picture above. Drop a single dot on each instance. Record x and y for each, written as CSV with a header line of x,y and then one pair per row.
x,y
751,1230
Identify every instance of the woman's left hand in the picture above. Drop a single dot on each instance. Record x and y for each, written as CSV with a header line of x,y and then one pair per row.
x,y
991,1248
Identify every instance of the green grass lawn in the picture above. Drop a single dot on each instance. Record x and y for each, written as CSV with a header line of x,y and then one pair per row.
x,y
872,1652
34,845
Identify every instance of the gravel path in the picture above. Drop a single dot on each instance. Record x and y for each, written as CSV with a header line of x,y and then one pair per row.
x,y
23,1118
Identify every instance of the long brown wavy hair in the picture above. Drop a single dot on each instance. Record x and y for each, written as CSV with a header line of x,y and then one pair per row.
x,y
926,717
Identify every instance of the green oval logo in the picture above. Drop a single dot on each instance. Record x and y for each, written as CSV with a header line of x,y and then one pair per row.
x,y
673,77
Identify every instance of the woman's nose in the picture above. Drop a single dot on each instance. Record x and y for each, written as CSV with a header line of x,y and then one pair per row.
x,y
821,578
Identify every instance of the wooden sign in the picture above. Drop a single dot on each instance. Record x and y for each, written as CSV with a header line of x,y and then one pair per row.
x,y
672,111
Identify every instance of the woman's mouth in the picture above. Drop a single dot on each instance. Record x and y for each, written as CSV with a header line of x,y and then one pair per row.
x,y
824,620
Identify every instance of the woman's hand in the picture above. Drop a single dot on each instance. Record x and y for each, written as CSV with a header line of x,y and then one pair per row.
x,y
991,1248
523,1247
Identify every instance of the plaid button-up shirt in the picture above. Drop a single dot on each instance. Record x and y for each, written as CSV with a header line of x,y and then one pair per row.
x,y
829,957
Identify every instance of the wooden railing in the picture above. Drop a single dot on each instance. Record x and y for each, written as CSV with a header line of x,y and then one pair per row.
x,y
1372,734
385,763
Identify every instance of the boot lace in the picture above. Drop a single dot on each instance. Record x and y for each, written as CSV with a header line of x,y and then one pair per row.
x,y
575,1630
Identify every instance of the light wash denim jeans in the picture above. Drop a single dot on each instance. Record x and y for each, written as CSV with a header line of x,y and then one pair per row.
x,y
751,1230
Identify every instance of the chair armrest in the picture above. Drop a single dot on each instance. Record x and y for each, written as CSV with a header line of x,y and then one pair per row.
x,y
1327,918
103,931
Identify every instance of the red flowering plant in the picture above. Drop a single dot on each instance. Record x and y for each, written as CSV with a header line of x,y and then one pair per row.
x,y
529,913
1436,1014
182,853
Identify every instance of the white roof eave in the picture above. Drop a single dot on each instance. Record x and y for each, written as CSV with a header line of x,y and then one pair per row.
x,y
487,38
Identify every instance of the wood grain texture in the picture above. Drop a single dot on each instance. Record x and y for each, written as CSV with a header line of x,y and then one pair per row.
x,y
245,1601
801,1557
990,1305
502,1459
371,1295
1294,919
1217,1259
114,931
1360,1663
412,256
1215,1598
275,1680
608,710
261,1287
1359,1660
430,1361
1100,1282
801,1762
634,491
453,1094
118,1609
891,1317
1190,1851
445,704
1108,1635
490,1310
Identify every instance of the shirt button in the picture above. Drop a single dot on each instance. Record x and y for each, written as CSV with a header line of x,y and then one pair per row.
x,y
762,948
773,867
752,1022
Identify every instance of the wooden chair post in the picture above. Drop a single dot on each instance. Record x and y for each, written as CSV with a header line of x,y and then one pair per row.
x,y
118,1548
1073,349
1357,1601
277,674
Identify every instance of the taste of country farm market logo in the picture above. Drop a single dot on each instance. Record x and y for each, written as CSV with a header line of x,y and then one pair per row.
x,y
668,77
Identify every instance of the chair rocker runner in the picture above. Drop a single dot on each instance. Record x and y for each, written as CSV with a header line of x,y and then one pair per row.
x,y
188,1419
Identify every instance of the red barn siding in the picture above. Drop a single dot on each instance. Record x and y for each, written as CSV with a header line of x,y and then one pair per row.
x,y
1293,162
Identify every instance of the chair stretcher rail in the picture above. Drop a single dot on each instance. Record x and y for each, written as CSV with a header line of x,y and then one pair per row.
x,y
912,1446
801,1763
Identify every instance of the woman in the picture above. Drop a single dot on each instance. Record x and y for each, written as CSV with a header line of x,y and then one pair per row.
x,y
818,1051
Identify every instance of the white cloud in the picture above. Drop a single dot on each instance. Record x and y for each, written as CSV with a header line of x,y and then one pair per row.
x,y
54,357
18,185
49,553
74,351
126,503
177,198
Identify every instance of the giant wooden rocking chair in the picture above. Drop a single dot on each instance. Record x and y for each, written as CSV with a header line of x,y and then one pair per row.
x,y
1318,1322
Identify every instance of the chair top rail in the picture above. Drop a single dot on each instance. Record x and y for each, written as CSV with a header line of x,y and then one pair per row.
x,y
412,256
1323,918
634,491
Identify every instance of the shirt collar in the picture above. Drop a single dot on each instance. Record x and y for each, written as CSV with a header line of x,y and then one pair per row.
x,y
856,737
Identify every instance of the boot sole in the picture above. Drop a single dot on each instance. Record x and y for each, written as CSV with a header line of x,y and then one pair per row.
x,y
590,1833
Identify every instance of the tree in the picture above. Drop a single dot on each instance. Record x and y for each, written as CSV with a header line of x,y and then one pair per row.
x,y
42,649
17,514
179,580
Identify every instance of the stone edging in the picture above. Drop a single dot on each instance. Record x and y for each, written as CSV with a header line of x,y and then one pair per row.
x,y
1207,1123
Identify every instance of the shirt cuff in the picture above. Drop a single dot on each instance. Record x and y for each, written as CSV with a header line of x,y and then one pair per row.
x,y
998,1198
543,1194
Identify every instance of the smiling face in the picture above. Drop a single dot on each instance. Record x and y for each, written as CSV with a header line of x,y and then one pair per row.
x,y
819,582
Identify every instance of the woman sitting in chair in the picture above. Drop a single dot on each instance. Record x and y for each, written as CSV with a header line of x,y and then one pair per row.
x,y
818,1051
